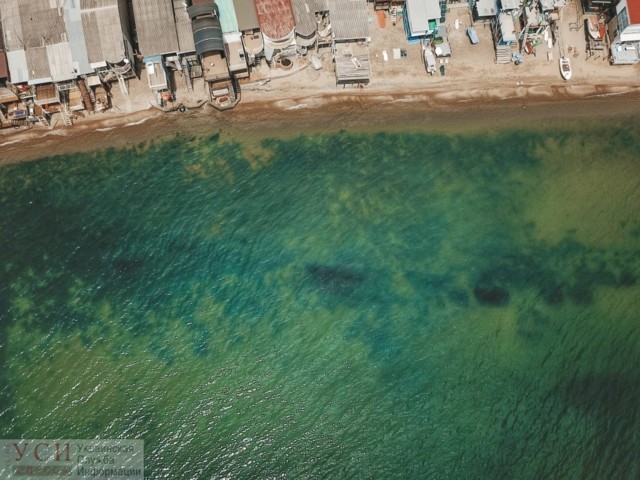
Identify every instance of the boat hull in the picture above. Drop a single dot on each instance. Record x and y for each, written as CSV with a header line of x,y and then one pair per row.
x,y
565,68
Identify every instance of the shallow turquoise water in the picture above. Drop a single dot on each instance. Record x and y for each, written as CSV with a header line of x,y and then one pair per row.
x,y
401,305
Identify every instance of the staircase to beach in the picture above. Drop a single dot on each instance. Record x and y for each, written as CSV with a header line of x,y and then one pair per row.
x,y
86,96
66,118
41,116
123,87
503,54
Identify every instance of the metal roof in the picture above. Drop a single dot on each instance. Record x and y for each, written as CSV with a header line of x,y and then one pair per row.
x,y
183,26
228,19
487,8
275,18
155,27
200,9
103,30
207,35
18,69
246,14
510,4
419,12
305,16
507,27
37,42
61,64
349,19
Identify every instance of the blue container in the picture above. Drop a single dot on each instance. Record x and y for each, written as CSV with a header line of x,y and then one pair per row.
x,y
473,36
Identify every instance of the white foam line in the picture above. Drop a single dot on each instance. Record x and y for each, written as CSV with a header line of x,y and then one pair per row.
x,y
296,107
139,122
105,129
611,94
9,143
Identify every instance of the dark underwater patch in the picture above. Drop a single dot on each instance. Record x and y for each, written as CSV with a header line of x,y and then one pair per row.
x,y
337,280
491,295
552,294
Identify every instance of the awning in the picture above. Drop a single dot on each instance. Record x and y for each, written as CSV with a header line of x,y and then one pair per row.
x,y
7,96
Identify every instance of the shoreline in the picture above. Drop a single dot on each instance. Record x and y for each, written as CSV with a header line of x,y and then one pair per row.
x,y
447,108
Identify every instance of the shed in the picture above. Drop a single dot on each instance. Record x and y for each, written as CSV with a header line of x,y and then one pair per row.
x,y
507,28
349,19
236,56
353,65
422,17
486,8
246,14
156,73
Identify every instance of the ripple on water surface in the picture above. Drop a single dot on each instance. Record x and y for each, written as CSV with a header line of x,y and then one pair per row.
x,y
401,305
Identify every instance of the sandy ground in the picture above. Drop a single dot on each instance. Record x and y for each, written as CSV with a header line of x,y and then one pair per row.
x,y
475,93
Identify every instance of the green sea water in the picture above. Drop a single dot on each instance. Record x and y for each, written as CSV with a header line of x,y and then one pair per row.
x,y
340,305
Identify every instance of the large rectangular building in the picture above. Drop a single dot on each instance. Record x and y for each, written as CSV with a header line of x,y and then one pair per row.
x,y
58,41
163,27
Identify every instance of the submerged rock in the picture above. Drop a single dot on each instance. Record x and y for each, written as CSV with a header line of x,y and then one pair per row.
x,y
492,295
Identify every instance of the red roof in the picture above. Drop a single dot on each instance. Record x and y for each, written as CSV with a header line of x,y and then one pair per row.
x,y
633,9
275,18
4,67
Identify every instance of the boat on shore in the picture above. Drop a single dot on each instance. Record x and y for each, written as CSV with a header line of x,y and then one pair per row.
x,y
565,68
595,28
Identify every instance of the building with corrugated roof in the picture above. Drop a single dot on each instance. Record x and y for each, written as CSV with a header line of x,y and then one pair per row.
x,y
422,18
105,24
163,27
277,25
306,25
54,46
248,26
38,42
234,48
351,37
211,49
49,43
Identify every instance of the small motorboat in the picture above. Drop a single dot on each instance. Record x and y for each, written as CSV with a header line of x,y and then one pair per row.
x,y
429,60
595,28
565,68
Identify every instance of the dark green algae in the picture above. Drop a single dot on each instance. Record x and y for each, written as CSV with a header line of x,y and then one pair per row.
x,y
390,294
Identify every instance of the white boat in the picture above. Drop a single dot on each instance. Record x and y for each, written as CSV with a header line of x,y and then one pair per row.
x,y
429,60
565,68
596,29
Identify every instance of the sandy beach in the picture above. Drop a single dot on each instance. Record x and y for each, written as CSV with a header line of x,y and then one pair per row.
x,y
475,94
